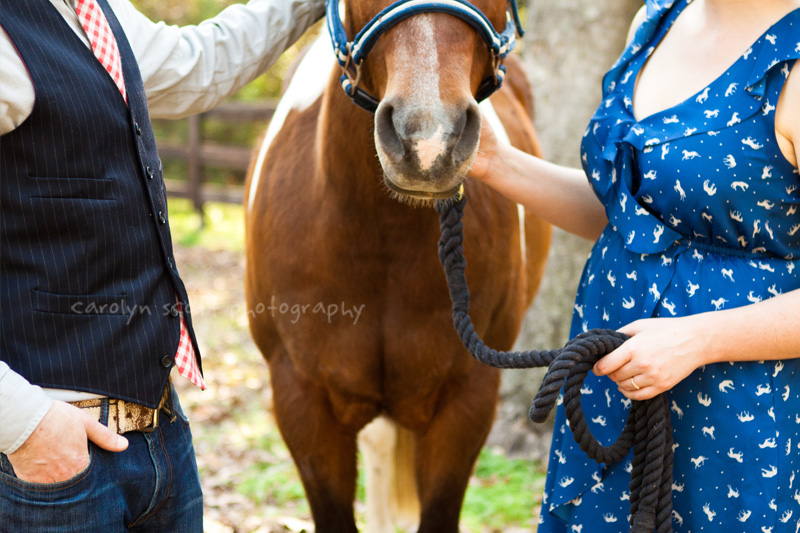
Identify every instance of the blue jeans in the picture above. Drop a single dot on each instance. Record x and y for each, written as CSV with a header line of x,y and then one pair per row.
x,y
153,486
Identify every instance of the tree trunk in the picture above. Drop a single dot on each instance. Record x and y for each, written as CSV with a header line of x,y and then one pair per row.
x,y
568,46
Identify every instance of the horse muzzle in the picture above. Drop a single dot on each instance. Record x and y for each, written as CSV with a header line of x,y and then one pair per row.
x,y
425,151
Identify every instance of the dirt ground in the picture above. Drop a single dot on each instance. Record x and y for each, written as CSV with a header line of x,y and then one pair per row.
x,y
238,391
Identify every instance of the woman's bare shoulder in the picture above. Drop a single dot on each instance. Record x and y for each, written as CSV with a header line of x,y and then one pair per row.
x,y
787,117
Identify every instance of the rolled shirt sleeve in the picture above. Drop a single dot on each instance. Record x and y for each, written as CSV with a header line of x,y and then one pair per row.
x,y
22,407
190,69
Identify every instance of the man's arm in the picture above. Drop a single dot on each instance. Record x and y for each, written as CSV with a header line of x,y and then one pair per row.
x,y
46,440
185,70
190,69
22,407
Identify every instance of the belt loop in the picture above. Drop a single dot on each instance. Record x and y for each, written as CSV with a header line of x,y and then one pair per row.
x,y
104,411
169,404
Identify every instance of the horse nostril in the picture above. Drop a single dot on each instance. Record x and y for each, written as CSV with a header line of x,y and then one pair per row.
x,y
386,133
470,134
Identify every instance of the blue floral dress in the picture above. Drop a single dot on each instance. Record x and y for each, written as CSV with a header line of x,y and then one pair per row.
x,y
703,212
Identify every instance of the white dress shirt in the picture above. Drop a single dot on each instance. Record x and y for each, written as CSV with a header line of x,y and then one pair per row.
x,y
185,70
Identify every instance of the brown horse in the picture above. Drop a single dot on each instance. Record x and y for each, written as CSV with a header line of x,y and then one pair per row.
x,y
346,298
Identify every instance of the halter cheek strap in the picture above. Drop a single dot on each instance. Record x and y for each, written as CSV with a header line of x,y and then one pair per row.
x,y
351,54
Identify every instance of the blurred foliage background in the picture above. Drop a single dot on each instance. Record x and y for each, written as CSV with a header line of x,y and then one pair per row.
x,y
266,87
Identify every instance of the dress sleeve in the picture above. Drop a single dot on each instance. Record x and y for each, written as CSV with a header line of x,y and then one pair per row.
x,y
190,69
776,49
656,7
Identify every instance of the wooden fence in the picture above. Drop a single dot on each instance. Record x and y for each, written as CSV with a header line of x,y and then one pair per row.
x,y
199,153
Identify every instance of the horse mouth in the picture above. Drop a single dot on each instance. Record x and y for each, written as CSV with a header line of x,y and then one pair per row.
x,y
422,195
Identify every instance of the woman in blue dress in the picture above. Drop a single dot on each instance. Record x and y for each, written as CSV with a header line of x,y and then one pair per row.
x,y
693,156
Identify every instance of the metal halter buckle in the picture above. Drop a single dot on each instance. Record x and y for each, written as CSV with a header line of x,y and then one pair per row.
x,y
349,65
497,62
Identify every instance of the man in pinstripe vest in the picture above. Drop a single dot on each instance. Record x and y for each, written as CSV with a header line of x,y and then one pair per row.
x,y
93,313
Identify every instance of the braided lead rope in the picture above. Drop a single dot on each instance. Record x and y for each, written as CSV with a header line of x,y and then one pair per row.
x,y
647,429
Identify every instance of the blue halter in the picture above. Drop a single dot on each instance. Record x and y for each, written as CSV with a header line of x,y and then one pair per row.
x,y
351,54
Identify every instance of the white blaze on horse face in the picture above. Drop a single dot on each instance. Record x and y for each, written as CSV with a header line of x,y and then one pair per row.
x,y
418,60
429,149
307,85
417,71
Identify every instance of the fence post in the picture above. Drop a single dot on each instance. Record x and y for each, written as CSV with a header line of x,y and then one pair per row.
x,y
197,153
195,167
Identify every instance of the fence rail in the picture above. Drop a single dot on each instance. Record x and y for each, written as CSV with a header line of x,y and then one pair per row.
x,y
199,153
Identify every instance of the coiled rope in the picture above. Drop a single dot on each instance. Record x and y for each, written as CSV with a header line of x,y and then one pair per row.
x,y
648,429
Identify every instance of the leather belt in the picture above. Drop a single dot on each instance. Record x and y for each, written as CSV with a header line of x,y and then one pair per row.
x,y
126,416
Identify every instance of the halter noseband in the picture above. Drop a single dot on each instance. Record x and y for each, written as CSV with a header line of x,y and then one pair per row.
x,y
351,54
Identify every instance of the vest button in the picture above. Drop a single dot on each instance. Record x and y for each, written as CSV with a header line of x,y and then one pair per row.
x,y
167,361
161,217
136,128
149,172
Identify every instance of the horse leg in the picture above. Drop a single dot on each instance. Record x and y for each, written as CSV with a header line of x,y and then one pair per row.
x,y
323,450
446,451
377,442
391,491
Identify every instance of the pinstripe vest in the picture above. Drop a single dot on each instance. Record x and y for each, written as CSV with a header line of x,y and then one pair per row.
x,y
87,273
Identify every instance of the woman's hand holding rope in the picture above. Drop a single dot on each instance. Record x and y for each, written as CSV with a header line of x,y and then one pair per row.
x,y
660,353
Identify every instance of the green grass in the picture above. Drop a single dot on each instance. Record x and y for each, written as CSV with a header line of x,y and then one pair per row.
x,y
503,493
224,228
274,481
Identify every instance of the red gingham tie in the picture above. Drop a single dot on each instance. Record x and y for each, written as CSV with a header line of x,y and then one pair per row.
x,y
185,358
104,45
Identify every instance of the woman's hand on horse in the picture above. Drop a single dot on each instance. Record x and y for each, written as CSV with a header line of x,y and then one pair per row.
x,y
658,355
487,152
